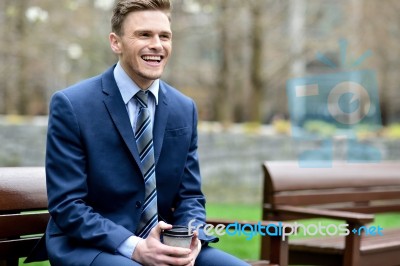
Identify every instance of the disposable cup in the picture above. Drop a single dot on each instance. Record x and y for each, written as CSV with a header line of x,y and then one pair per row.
x,y
177,236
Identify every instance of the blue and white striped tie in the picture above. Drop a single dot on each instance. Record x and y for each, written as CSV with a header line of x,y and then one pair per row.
x,y
144,142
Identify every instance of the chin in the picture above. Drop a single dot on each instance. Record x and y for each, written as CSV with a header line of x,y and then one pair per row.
x,y
152,75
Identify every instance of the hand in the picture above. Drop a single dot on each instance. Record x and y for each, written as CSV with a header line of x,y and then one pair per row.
x,y
151,252
195,248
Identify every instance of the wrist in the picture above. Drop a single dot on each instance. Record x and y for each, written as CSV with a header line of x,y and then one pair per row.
x,y
136,255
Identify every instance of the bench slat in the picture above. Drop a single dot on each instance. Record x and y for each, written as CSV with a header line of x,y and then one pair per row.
x,y
15,225
301,212
22,188
335,244
372,209
17,248
335,197
340,175
384,258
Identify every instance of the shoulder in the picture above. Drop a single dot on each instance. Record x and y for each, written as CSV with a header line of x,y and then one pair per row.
x,y
86,83
88,88
174,95
83,87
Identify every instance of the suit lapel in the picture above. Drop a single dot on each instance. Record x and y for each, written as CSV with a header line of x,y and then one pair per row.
x,y
117,110
160,121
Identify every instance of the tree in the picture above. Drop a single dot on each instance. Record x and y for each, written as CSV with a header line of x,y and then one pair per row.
x,y
256,64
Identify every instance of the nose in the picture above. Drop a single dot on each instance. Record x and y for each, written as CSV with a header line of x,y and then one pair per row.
x,y
155,43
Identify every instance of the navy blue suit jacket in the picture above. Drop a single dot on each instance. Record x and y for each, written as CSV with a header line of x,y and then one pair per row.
x,y
94,181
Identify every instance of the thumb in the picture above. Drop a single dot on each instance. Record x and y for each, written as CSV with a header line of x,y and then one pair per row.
x,y
156,231
194,242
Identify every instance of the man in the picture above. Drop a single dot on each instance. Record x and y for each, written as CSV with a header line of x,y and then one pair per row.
x,y
122,155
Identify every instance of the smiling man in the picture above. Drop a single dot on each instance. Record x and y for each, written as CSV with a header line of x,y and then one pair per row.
x,y
121,160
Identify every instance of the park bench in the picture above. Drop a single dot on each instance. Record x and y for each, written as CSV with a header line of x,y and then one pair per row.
x,y
24,216
348,192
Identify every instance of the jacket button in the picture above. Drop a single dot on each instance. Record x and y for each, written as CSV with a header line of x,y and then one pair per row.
x,y
138,204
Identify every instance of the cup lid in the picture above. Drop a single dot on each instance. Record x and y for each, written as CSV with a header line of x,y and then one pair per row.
x,y
178,230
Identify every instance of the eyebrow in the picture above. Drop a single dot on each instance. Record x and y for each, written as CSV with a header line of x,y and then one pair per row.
x,y
169,33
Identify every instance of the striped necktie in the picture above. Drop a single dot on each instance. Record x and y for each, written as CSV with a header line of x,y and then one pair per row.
x,y
144,142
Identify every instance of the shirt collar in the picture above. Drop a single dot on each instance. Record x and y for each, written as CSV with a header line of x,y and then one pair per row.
x,y
128,87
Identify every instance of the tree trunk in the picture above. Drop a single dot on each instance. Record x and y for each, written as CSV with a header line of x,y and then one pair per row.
x,y
256,64
223,104
22,65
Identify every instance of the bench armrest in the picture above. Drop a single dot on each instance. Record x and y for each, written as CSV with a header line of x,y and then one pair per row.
x,y
350,217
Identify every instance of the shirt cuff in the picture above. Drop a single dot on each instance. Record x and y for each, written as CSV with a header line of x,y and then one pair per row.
x,y
127,247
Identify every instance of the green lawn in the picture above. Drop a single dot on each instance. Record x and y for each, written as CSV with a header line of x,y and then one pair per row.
x,y
237,245
45,263
250,249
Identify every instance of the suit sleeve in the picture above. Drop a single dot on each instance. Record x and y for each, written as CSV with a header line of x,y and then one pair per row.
x,y
190,206
67,182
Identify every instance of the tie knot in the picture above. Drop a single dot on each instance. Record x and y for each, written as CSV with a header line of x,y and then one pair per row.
x,y
142,98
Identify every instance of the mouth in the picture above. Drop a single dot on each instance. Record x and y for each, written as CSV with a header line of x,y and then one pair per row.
x,y
152,58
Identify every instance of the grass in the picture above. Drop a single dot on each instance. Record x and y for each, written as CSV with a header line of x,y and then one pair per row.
x,y
237,245
250,249
44,263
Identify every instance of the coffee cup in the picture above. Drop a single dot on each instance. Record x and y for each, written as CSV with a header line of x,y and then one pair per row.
x,y
177,236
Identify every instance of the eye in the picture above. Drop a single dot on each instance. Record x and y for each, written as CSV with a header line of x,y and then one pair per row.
x,y
144,34
165,37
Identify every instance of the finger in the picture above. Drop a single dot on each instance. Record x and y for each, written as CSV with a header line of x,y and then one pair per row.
x,y
165,260
181,261
175,251
163,225
191,262
156,231
194,242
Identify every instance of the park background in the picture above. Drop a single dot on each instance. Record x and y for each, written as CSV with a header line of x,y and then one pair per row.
x,y
232,57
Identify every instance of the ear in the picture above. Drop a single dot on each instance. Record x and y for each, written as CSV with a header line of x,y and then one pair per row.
x,y
115,43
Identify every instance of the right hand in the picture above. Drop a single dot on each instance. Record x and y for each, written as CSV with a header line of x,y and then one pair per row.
x,y
151,252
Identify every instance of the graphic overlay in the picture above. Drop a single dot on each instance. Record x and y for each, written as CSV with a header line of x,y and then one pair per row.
x,y
285,230
331,109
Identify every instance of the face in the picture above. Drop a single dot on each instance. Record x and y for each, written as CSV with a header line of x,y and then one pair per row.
x,y
144,47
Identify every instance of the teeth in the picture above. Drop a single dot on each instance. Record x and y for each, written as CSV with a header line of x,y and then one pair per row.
x,y
152,57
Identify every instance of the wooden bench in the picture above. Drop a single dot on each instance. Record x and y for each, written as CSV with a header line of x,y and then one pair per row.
x,y
352,193
24,216
22,194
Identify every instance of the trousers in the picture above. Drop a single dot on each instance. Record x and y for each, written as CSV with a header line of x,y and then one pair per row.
x,y
208,256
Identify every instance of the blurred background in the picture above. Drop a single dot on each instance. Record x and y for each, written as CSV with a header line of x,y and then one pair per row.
x,y
233,57
227,53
